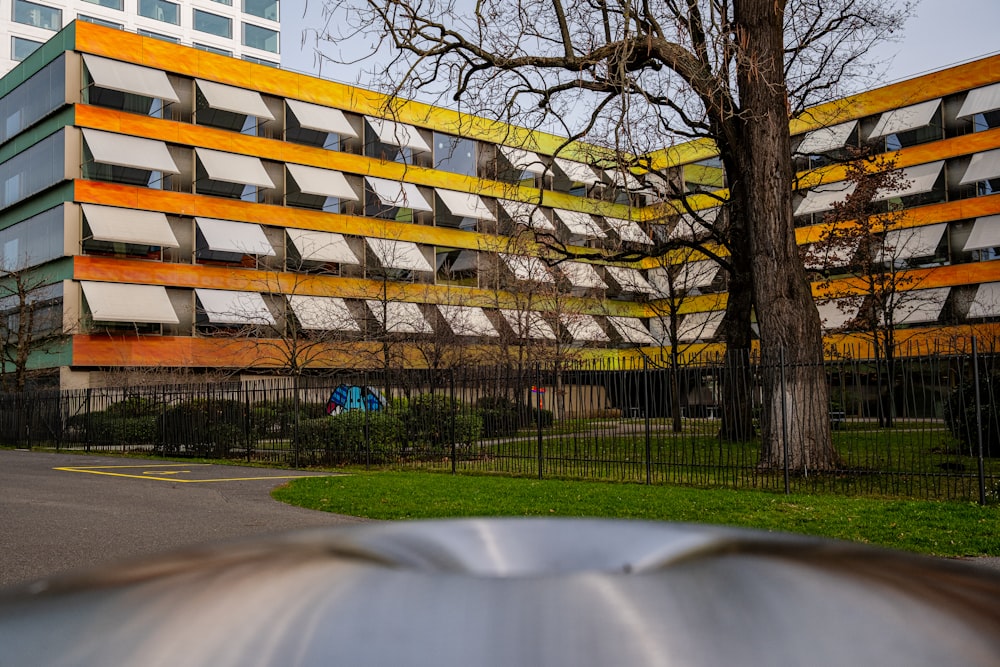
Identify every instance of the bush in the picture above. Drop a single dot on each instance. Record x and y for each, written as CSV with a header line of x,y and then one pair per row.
x,y
107,428
352,437
960,414
500,416
428,419
135,407
204,426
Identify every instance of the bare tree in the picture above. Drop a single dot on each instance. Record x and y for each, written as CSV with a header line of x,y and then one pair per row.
x,y
30,321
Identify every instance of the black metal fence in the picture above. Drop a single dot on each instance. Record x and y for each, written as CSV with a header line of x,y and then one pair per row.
x,y
916,427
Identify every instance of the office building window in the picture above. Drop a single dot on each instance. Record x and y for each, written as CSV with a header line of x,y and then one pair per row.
x,y
157,35
213,24
259,61
97,21
21,48
224,2
40,16
455,154
110,4
266,9
212,49
161,10
256,37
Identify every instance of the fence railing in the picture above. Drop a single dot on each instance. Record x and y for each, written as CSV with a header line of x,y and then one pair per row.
x,y
915,427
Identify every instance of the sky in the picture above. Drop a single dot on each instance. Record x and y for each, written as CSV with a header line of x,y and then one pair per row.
x,y
943,33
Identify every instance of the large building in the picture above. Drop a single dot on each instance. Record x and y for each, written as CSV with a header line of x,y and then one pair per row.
x,y
171,207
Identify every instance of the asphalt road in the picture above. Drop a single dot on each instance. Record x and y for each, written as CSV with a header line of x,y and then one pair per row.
x,y
61,512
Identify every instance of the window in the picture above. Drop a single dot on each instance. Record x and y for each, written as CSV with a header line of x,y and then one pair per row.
x,y
33,169
40,16
156,35
256,37
34,99
266,9
213,24
110,4
21,48
161,10
97,21
212,49
228,3
259,61
455,154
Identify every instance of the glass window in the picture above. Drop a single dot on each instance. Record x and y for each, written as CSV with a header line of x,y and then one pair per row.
x,y
256,37
40,16
224,2
455,154
213,24
110,4
33,170
156,35
161,10
266,9
259,61
34,241
34,99
212,49
94,19
21,48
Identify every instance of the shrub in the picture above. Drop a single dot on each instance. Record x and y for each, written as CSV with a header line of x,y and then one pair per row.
x,y
204,426
960,414
107,428
500,416
135,407
352,437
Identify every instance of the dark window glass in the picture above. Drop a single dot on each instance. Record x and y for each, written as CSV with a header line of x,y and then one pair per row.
x,y
21,48
40,16
161,10
257,37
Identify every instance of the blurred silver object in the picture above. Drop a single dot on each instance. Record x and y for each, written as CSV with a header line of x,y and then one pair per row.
x,y
513,592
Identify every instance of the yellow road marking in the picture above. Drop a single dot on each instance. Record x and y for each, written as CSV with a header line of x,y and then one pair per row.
x,y
101,470
165,472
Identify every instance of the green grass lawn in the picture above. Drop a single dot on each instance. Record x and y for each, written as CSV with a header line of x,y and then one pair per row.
x,y
940,528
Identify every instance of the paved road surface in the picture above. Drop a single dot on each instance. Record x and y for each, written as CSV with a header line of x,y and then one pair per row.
x,y
97,512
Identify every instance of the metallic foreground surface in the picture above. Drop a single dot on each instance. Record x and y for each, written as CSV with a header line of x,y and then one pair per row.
x,y
513,592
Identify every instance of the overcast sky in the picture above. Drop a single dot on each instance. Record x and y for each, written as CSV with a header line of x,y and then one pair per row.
x,y
944,32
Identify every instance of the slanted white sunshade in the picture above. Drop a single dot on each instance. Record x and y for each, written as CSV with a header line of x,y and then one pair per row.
x,y
398,134
524,160
577,172
398,193
823,197
580,224
465,204
129,78
628,231
468,321
632,330
321,119
836,313
981,100
985,234
235,100
699,273
918,306
920,178
322,313
226,307
234,168
987,301
126,225
905,118
826,139
525,267
690,227
399,316
580,274
526,213
623,178
314,246
230,236
629,279
982,167
117,302
583,327
831,256
911,242
402,255
699,326
321,182
528,324
126,151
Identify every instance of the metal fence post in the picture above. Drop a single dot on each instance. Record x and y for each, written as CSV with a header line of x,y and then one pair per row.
x,y
979,423
538,418
453,410
784,420
645,409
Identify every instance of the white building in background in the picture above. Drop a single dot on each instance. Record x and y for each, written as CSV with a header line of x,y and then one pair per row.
x,y
247,29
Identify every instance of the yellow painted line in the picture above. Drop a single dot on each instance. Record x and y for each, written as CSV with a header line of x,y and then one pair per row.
x,y
100,470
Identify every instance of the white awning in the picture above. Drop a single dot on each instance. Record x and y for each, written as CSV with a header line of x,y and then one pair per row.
x,y
314,246
836,313
525,267
234,168
905,118
911,242
468,321
398,134
699,326
528,324
119,302
398,193
690,227
577,172
983,167
226,307
981,100
583,327
465,205
467,260
985,234
580,274
126,225
129,78
526,213
623,178
823,197
321,182
127,151
826,139
628,230
580,224
321,119
696,274
402,255
236,100
399,316
918,306
629,279
230,236
632,330
987,301
322,313
831,255
523,160
920,178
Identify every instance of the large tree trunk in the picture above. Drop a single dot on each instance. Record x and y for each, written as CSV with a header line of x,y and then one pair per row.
x,y
796,401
